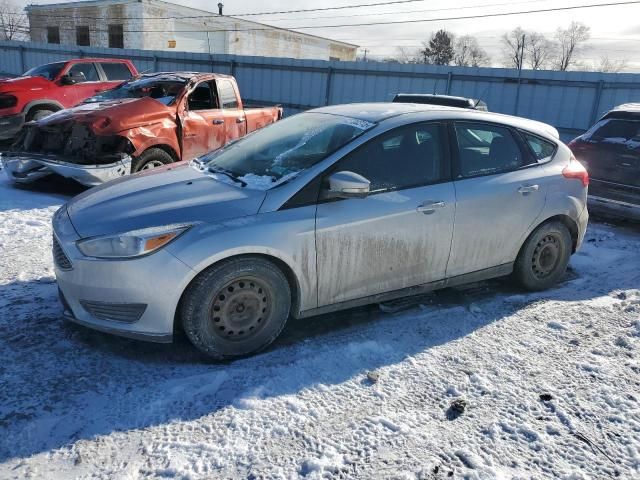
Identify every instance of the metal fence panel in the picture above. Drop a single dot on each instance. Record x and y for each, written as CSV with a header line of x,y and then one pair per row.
x,y
570,101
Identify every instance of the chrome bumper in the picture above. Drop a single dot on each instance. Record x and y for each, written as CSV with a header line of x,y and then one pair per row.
x,y
28,167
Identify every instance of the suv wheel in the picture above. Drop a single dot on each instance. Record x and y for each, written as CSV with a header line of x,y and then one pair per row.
x,y
152,158
36,115
544,257
236,307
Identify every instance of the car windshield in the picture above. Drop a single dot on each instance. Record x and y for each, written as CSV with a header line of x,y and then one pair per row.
x,y
163,90
49,71
280,151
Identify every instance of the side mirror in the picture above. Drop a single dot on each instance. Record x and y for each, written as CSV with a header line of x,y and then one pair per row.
x,y
72,79
348,185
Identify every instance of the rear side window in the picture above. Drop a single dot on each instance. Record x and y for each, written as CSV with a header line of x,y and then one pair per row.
x,y
227,94
88,70
613,130
116,71
407,157
542,149
486,149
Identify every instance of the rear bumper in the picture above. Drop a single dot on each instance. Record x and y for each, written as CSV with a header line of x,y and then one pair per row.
x,y
29,167
583,221
10,126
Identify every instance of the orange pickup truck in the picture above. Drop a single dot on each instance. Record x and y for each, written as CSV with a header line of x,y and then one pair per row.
x,y
153,120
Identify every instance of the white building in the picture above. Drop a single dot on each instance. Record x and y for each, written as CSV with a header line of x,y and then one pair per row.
x,y
159,25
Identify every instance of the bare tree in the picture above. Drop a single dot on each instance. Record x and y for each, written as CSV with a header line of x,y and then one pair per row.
x,y
539,50
469,53
512,44
570,43
439,50
406,55
607,65
13,21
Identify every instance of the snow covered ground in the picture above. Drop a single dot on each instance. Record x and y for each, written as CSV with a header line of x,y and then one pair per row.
x,y
361,394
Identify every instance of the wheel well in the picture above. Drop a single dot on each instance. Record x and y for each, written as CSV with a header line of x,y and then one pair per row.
x,y
284,268
42,106
165,148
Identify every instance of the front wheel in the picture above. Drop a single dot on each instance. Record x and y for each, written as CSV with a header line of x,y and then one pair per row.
x,y
152,158
236,307
544,257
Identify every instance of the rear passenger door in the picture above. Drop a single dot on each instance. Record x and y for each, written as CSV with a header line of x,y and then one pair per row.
x,y
500,191
400,234
234,117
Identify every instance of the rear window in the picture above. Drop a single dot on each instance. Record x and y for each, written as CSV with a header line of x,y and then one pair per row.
x,y
116,71
613,130
542,149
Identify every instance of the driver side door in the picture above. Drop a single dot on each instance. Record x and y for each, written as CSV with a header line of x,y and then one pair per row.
x,y
202,122
400,235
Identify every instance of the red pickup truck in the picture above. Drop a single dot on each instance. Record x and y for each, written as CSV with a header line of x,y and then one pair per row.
x,y
153,120
54,86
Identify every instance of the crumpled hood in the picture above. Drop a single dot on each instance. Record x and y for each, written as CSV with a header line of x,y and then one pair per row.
x,y
121,114
157,197
10,85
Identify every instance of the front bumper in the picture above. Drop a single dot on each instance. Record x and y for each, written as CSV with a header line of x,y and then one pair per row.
x,y
25,167
10,126
156,281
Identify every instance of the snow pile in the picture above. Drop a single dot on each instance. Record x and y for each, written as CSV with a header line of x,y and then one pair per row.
x,y
547,383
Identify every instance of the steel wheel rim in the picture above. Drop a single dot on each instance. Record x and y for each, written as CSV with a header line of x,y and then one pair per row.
x,y
546,256
239,311
151,164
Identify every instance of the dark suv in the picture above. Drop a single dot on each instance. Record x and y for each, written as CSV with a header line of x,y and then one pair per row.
x,y
610,150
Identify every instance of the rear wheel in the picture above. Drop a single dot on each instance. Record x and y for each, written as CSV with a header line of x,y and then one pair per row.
x,y
544,257
236,308
36,115
152,158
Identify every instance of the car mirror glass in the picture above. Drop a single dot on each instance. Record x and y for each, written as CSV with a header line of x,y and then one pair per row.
x,y
347,184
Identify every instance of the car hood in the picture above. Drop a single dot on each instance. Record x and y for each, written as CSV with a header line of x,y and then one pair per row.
x,y
158,197
9,85
120,114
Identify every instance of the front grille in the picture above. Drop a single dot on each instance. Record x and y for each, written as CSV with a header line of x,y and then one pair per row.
x,y
59,257
119,312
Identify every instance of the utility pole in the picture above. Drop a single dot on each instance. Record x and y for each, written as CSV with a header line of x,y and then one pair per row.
x,y
365,54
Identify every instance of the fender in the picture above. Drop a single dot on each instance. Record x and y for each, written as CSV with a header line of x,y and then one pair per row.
x,y
42,101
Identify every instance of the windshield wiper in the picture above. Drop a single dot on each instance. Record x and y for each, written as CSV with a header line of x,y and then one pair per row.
x,y
229,174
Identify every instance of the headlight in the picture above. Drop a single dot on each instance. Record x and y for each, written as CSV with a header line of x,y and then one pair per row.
x,y
131,244
8,101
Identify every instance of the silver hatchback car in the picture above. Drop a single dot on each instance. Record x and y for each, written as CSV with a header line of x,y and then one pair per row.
x,y
329,209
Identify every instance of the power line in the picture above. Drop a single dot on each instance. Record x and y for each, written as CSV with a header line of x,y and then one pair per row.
x,y
393,22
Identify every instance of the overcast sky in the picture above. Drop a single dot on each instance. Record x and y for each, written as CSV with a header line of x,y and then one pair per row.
x,y
615,30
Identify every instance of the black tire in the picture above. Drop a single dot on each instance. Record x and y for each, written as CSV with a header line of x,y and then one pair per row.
x,y
236,308
35,115
154,157
544,257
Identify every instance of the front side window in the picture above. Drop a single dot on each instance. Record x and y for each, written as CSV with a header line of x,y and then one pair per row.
x,y
116,71
116,36
406,157
53,34
542,150
227,94
85,71
201,98
282,150
486,149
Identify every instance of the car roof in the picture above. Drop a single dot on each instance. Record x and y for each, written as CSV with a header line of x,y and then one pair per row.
x,y
181,76
445,100
379,112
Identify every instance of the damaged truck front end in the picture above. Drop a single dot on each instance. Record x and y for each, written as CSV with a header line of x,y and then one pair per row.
x,y
68,149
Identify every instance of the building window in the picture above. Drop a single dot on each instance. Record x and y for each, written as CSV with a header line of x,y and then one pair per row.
x,y
116,36
53,35
82,37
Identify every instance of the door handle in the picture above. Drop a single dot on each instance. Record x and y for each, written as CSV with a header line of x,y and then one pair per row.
x,y
524,189
240,120
217,121
429,207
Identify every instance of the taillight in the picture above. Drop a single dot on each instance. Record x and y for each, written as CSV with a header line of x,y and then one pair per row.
x,y
576,170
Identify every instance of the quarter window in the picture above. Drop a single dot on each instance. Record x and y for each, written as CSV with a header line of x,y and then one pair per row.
x,y
542,150
407,157
486,149
88,70
227,94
